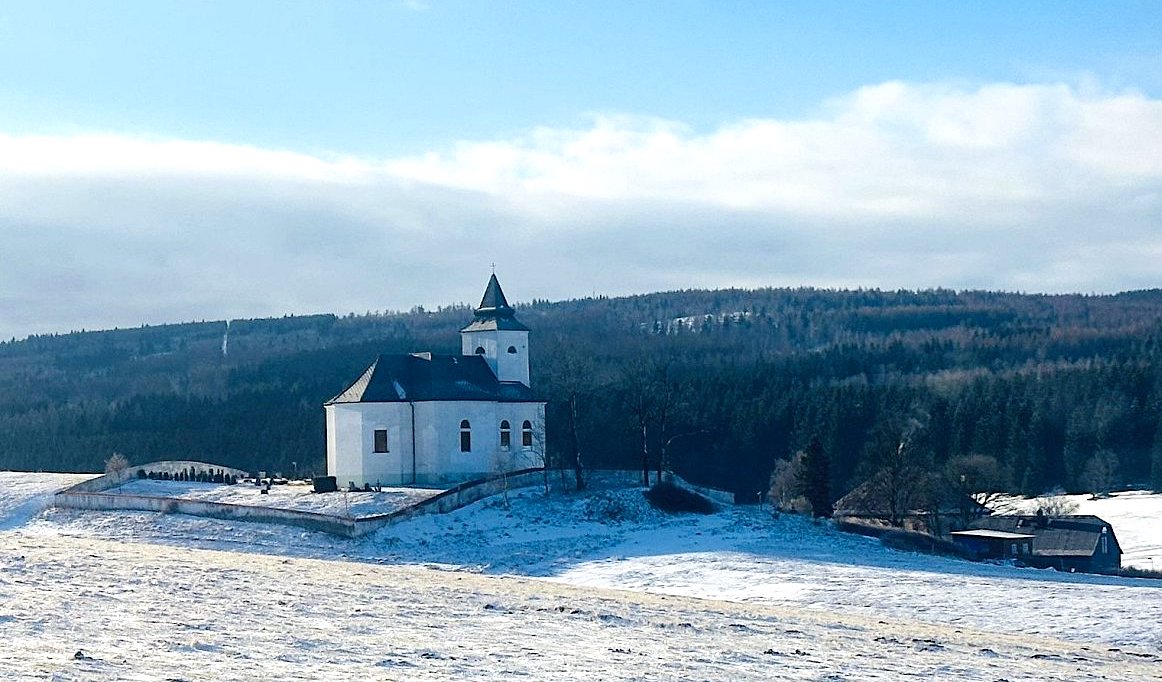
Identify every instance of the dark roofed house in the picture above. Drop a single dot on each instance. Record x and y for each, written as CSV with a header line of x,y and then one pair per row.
x,y
1068,543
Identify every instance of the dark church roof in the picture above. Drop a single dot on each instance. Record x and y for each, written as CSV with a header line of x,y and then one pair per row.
x,y
494,312
423,377
1062,536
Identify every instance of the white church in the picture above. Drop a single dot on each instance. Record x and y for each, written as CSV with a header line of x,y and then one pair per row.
x,y
427,419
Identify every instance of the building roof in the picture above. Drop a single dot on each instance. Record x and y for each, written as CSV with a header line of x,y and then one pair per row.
x,y
870,500
494,312
991,534
421,377
1061,536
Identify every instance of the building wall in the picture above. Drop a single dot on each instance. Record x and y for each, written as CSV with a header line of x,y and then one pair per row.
x,y
438,459
506,366
351,456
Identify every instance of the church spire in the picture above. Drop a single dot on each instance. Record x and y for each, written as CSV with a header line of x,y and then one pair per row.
x,y
494,302
494,312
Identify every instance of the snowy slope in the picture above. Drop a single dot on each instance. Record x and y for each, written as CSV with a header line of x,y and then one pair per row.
x,y
26,495
614,539
151,597
76,610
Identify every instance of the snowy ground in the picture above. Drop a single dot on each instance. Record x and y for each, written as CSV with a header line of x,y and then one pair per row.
x,y
296,495
151,597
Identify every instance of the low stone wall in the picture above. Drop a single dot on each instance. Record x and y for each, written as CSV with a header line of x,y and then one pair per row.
x,y
454,498
98,501
89,495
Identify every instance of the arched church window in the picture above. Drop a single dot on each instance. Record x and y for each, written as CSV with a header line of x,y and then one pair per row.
x,y
512,349
526,434
505,434
465,436
479,350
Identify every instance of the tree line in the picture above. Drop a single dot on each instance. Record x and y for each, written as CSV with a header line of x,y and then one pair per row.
x,y
719,386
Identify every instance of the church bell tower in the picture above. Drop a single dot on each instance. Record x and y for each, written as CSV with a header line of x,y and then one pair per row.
x,y
496,334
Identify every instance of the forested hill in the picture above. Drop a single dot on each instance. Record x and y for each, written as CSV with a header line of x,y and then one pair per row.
x,y
725,383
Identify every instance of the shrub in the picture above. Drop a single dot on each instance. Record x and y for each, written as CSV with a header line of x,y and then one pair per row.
x,y
1131,572
672,498
610,508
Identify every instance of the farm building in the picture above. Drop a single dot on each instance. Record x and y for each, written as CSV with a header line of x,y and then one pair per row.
x,y
983,543
1067,543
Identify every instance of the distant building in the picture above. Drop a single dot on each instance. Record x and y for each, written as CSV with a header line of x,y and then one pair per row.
x,y
983,543
909,504
431,419
1067,543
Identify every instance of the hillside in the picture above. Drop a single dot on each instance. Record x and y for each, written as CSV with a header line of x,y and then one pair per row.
x,y
731,380
554,586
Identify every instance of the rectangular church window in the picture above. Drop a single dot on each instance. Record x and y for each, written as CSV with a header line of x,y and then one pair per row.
x,y
381,440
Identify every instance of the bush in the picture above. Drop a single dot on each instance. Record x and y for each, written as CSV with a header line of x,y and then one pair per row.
x,y
1131,572
669,497
608,508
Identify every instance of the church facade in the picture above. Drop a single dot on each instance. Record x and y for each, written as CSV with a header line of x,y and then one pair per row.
x,y
429,419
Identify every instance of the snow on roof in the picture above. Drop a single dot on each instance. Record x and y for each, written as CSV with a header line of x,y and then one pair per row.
x,y
994,534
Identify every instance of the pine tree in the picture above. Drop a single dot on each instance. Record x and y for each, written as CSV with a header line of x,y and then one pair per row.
x,y
815,479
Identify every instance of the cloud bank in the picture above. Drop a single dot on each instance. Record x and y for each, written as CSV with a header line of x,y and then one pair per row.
x,y
1019,187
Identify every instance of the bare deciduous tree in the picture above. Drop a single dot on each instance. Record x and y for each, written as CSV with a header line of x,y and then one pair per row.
x,y
116,464
785,492
974,480
1101,473
1056,504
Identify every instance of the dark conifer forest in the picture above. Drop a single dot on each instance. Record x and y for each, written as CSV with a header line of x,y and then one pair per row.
x,y
1061,391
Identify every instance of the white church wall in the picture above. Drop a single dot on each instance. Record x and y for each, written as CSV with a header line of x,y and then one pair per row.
x,y
351,455
344,458
441,460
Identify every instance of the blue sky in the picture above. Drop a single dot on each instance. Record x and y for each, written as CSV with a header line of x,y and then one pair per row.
x,y
607,147
385,77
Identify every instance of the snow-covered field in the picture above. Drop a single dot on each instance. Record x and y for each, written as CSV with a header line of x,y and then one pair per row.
x,y
296,495
150,597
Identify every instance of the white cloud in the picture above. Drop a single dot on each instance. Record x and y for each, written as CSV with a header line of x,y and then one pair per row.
x,y
1040,188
